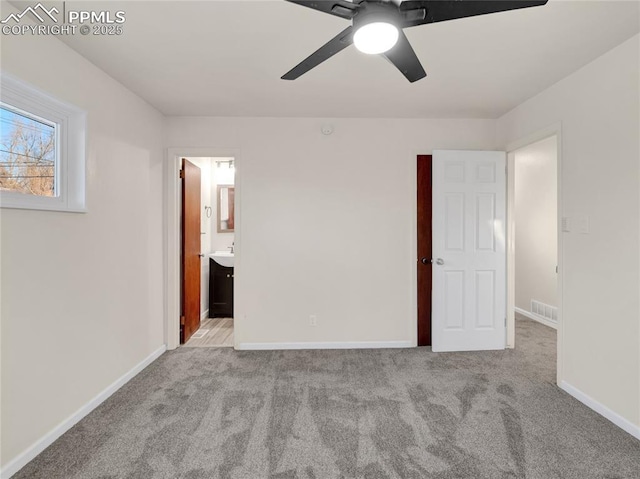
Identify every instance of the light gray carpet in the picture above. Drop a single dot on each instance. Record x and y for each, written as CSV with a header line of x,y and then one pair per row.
x,y
209,413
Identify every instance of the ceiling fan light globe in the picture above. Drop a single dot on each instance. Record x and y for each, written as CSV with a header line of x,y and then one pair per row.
x,y
377,37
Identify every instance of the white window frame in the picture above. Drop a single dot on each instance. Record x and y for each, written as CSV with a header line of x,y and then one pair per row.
x,y
71,127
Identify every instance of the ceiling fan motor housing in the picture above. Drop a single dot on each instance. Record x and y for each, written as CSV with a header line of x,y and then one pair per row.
x,y
371,12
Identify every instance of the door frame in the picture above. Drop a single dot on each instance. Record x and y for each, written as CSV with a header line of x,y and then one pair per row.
x,y
172,236
511,148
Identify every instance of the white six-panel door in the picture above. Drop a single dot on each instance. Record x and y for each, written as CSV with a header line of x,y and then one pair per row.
x,y
469,257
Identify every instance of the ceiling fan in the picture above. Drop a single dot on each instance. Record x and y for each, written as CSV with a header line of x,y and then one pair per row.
x,y
378,27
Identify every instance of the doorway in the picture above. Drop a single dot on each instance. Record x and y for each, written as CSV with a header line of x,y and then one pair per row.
x,y
469,257
210,258
534,234
425,252
212,233
461,250
554,130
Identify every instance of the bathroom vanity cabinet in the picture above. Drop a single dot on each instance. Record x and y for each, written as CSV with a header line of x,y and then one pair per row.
x,y
220,291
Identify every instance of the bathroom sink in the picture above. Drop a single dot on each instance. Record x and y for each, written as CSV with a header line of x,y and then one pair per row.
x,y
223,258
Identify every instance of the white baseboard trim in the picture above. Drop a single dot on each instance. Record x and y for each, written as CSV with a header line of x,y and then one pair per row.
x,y
204,315
601,409
535,317
329,345
30,453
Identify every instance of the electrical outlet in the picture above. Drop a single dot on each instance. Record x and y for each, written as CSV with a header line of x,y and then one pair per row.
x,y
313,320
566,224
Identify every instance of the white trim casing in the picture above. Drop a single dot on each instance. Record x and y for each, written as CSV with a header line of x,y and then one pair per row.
x,y
535,317
29,454
71,130
328,345
601,409
511,250
413,265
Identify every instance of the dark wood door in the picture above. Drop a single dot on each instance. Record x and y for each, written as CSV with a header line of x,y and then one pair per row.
x,y
191,199
424,250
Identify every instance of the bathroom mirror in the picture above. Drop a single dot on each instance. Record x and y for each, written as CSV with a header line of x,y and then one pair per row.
x,y
226,208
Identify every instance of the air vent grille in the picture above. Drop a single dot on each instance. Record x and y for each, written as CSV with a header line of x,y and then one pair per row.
x,y
544,310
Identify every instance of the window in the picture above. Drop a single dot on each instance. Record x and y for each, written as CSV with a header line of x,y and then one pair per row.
x,y
27,153
42,150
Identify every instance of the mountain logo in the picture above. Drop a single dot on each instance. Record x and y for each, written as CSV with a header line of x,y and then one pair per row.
x,y
34,11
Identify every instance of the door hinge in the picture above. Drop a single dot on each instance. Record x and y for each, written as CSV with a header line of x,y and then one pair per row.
x,y
182,174
505,321
181,320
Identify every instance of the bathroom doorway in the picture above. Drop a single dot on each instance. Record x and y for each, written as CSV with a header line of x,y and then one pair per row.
x,y
217,253
209,261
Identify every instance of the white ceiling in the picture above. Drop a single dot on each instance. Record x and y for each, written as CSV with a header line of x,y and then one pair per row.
x,y
225,58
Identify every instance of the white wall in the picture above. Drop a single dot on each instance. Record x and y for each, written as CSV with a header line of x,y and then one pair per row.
x,y
327,223
81,293
536,217
599,110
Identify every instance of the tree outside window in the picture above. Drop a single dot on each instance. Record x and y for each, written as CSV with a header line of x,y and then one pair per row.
x,y
27,154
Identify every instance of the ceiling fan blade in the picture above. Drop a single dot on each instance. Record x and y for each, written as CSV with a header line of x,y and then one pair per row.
x,y
405,59
338,8
336,45
443,10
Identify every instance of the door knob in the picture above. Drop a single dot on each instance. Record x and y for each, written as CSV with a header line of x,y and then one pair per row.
x,y
439,261
426,261
201,255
